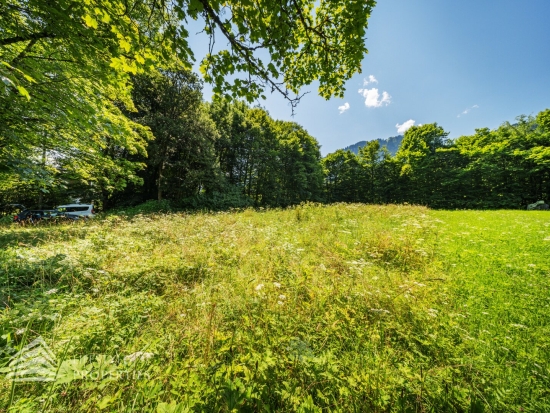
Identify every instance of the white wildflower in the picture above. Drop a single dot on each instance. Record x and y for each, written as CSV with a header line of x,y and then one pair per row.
x,y
282,297
20,331
379,310
432,312
277,285
259,287
280,302
52,291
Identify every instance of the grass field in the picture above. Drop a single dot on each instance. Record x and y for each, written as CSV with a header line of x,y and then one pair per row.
x,y
342,308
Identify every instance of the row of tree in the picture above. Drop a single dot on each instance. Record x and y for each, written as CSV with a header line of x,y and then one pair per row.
x,y
86,113
227,154
508,167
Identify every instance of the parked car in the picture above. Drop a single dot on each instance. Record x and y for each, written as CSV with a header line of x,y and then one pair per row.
x,y
81,210
11,209
34,216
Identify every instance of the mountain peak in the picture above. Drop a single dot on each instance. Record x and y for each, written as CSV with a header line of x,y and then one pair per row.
x,y
392,143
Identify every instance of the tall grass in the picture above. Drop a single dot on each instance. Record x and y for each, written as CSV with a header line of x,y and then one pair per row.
x,y
315,308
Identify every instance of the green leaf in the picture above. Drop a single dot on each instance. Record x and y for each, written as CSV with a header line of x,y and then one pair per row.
x,y
23,92
90,21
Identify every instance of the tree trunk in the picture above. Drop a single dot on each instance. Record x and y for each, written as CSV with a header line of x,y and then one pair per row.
x,y
41,194
159,183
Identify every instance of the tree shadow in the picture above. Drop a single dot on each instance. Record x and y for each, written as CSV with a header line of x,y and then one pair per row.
x,y
40,235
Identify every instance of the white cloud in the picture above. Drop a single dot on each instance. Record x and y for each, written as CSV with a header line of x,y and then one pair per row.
x,y
371,79
466,111
373,99
343,108
401,129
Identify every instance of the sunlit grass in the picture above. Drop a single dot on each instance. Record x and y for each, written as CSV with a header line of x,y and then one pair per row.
x,y
315,308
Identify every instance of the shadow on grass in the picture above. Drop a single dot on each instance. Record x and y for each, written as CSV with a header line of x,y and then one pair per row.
x,y
12,235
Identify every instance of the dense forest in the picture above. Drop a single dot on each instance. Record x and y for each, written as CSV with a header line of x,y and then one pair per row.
x,y
508,167
192,153
227,154
97,102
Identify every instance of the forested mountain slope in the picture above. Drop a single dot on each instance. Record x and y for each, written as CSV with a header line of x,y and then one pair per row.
x,y
392,143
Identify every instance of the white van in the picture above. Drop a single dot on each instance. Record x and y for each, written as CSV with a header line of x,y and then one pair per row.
x,y
81,210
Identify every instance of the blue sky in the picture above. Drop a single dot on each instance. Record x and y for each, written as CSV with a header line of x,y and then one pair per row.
x,y
463,64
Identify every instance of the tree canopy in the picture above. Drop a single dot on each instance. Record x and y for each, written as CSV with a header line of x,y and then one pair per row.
x,y
280,45
66,70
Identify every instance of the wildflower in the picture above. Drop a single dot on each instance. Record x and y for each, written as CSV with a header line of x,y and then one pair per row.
x,y
19,331
259,287
52,291
282,297
277,285
140,355
280,302
379,310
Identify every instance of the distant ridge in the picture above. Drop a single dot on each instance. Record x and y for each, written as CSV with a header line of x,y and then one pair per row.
x,y
391,143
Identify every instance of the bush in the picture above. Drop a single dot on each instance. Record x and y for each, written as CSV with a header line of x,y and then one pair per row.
x,y
217,201
148,207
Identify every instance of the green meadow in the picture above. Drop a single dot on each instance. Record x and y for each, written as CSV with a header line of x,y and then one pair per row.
x,y
339,308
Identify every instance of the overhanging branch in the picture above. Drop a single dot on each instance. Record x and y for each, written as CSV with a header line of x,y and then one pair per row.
x,y
32,36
